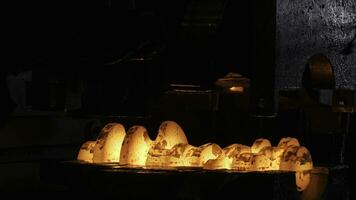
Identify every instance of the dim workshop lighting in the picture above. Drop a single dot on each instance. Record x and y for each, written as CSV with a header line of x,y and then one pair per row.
x,y
171,149
237,89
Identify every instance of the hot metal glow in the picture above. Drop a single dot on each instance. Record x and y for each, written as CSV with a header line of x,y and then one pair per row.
x,y
171,149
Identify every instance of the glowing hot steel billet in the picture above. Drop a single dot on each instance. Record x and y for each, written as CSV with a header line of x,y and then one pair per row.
x,y
108,144
86,151
135,146
171,149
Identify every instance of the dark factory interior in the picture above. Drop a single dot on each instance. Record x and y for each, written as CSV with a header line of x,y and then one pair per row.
x,y
226,71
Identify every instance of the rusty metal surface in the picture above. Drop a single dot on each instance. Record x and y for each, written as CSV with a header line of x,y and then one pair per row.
x,y
308,27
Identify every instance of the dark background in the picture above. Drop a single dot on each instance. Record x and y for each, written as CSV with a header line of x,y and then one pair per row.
x,y
50,33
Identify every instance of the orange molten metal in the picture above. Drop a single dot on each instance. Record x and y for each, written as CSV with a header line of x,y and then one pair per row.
x,y
171,149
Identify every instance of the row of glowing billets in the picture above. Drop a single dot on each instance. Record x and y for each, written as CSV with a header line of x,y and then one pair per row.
x,y
171,149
